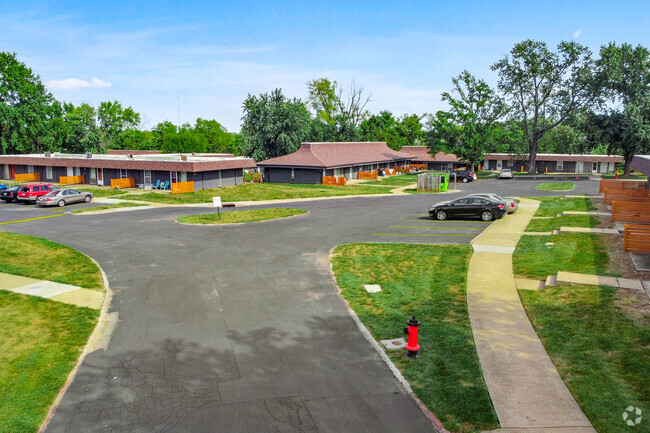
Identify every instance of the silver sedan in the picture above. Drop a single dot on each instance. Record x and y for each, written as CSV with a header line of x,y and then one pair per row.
x,y
511,204
61,197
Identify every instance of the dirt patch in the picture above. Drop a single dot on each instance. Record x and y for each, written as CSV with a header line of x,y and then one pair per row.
x,y
634,304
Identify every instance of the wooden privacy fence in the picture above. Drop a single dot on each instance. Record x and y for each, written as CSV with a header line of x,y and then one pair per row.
x,y
331,180
26,177
71,180
637,238
631,212
419,166
626,184
624,194
367,175
127,182
402,170
179,187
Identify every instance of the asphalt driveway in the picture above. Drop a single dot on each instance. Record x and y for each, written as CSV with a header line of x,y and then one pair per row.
x,y
238,328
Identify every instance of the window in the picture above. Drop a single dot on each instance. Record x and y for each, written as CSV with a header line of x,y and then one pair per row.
x,y
123,174
73,191
48,172
499,164
147,177
560,166
173,175
37,189
30,169
183,176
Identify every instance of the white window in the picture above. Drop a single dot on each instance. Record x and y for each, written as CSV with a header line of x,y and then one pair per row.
x,y
560,166
123,174
48,172
30,169
183,176
77,171
147,177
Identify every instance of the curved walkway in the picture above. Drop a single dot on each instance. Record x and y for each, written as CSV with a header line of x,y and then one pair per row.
x,y
527,392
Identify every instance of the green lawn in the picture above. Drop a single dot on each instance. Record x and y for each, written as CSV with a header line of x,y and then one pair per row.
x,y
101,192
555,186
633,176
241,216
256,192
599,340
107,207
429,282
40,341
548,225
552,206
39,258
583,253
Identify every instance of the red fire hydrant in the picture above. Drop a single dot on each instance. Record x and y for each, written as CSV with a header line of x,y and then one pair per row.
x,y
412,347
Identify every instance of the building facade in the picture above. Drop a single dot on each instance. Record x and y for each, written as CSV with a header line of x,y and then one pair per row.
x,y
440,162
206,170
554,163
312,161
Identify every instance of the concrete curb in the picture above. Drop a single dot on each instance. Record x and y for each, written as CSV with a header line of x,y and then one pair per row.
x,y
99,339
368,336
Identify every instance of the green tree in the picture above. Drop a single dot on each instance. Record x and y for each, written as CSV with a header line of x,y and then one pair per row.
x,y
323,99
113,120
469,129
333,105
382,127
624,71
410,130
543,88
564,138
273,125
28,112
81,132
168,139
218,139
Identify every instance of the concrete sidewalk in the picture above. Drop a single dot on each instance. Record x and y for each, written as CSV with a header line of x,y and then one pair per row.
x,y
526,389
65,293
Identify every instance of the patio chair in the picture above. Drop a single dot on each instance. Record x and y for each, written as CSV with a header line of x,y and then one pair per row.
x,y
165,185
156,185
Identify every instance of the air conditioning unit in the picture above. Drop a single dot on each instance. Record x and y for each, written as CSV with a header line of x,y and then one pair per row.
x,y
57,154
48,154
89,155
183,157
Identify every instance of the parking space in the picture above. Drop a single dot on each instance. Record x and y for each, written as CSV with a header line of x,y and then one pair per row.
x,y
421,228
14,213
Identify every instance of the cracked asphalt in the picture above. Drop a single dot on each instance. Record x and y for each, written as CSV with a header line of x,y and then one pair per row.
x,y
237,328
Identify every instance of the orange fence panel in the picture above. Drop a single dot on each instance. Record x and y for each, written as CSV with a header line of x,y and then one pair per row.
x,y
627,184
624,194
367,175
331,180
402,170
26,177
631,212
180,187
419,166
128,182
71,180
637,238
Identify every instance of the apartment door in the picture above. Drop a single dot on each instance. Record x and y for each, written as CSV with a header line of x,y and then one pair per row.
x,y
100,176
12,172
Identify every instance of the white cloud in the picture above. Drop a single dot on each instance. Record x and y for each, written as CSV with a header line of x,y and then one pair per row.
x,y
577,34
76,83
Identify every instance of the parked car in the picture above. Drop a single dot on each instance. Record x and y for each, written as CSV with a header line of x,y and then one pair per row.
x,y
468,207
61,197
29,193
3,187
506,173
511,204
10,194
461,176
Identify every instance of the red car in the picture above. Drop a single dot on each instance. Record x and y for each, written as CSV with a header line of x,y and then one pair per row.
x,y
28,193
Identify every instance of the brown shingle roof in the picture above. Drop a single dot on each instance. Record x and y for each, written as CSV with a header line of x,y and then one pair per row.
x,y
421,154
337,154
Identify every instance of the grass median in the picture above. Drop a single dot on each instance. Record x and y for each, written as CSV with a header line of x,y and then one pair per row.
x,y
107,207
550,224
553,206
555,186
39,258
599,341
257,192
429,282
241,216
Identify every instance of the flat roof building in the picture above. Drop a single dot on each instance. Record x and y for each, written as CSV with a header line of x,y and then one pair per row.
x,y
312,161
554,162
145,167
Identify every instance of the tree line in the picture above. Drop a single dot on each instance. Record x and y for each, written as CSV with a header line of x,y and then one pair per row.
x,y
560,100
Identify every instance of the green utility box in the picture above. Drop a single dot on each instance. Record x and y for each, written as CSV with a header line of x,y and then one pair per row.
x,y
444,182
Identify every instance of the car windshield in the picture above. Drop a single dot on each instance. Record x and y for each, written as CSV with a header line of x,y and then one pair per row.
x,y
23,188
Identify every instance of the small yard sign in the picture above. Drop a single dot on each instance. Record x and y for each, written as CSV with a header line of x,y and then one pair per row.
x,y
216,201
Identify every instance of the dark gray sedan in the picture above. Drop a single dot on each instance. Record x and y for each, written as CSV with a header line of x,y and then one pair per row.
x,y
61,197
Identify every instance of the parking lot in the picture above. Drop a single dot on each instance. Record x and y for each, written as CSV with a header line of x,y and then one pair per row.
x,y
420,228
14,213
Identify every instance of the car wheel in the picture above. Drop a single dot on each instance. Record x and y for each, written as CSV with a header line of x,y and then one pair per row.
x,y
441,215
61,203
465,180
486,215
87,199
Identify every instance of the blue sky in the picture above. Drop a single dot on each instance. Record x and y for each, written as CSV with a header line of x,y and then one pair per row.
x,y
210,56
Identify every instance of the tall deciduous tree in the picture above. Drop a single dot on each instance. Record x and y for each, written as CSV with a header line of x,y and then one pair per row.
x,y
273,125
331,103
218,139
545,88
624,71
27,109
114,120
469,129
82,134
